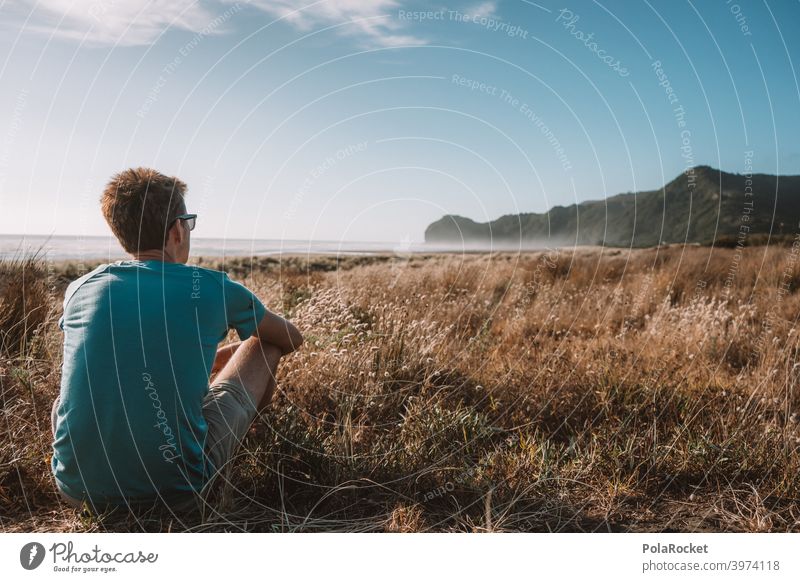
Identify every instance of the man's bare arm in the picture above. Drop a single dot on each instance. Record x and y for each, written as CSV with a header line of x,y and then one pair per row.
x,y
279,332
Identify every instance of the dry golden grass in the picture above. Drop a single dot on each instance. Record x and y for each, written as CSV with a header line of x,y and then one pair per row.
x,y
586,390
24,302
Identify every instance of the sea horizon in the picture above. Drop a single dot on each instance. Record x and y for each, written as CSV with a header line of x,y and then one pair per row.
x,y
97,247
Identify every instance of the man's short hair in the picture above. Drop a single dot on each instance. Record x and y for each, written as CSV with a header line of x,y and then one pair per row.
x,y
140,204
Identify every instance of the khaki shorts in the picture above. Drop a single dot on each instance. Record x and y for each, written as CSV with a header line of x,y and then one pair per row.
x,y
229,411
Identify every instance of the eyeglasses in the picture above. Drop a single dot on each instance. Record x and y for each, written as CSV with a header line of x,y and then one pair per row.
x,y
191,220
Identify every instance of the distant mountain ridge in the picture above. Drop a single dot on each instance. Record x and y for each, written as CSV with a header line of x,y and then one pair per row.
x,y
699,206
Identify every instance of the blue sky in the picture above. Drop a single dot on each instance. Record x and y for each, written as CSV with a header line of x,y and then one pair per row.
x,y
345,120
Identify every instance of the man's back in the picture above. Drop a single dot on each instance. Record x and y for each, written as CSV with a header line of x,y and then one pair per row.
x,y
140,340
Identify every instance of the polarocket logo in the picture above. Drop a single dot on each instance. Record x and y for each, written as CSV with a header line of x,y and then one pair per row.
x,y
31,555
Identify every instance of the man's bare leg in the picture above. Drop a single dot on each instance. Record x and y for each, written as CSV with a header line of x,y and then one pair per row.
x,y
254,364
223,356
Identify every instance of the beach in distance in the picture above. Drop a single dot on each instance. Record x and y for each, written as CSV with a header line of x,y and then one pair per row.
x,y
93,248
581,389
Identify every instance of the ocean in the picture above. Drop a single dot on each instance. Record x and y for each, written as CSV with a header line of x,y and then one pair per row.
x,y
77,247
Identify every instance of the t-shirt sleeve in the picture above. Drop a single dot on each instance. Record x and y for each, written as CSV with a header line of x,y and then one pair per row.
x,y
244,311
73,287
70,291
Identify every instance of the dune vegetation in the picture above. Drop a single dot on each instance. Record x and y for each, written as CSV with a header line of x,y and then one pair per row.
x,y
577,390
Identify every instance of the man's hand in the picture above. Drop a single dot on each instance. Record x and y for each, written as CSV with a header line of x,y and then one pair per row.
x,y
279,332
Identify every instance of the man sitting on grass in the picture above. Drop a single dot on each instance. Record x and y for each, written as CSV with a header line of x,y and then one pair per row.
x,y
136,422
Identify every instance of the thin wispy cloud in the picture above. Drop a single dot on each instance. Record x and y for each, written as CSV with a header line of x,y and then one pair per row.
x,y
114,22
141,22
372,23
483,10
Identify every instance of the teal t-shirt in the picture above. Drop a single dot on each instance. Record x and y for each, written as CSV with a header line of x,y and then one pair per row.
x,y
140,339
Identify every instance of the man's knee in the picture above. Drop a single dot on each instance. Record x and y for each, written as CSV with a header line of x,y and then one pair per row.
x,y
271,353
263,351
252,362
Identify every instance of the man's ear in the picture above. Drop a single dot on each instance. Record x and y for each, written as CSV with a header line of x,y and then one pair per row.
x,y
176,233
